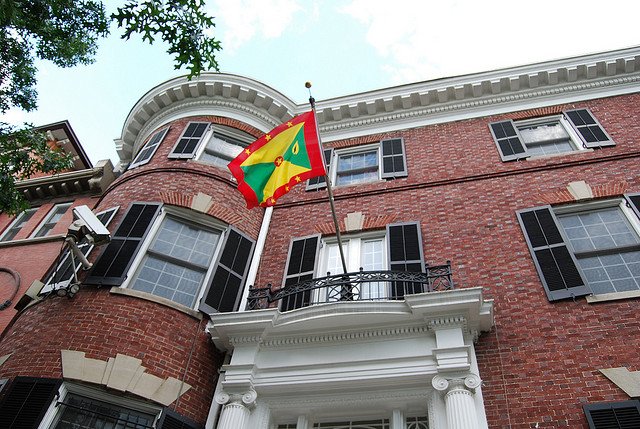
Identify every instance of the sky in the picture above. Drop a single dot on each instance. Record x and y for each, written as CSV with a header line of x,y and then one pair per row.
x,y
342,47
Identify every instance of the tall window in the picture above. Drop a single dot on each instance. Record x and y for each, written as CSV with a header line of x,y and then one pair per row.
x,y
49,222
18,223
177,261
366,253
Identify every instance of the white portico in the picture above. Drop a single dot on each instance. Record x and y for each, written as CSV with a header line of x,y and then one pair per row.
x,y
399,363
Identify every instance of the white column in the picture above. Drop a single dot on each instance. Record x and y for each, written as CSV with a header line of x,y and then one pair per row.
x,y
303,422
235,411
397,420
459,403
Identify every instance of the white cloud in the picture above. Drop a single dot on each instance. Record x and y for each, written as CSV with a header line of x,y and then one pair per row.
x,y
243,20
421,40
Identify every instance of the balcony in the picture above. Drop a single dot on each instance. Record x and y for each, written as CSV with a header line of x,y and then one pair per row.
x,y
357,286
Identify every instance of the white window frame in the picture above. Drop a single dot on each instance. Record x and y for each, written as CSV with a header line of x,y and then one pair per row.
x,y
50,416
48,287
47,219
352,245
189,217
223,131
575,139
337,153
593,206
15,221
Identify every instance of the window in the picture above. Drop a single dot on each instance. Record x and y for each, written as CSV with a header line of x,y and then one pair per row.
x,y
368,253
585,249
399,248
176,254
82,412
147,151
18,223
213,144
177,261
571,131
384,160
223,146
49,222
63,272
613,415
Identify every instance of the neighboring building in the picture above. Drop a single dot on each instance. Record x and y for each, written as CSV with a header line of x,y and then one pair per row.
x,y
32,241
491,227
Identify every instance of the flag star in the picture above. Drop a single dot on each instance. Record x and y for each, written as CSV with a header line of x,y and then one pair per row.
x,y
289,124
298,179
247,151
267,137
286,188
272,201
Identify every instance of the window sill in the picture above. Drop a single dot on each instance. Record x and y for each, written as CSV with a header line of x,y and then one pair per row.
x,y
555,155
613,296
158,300
35,240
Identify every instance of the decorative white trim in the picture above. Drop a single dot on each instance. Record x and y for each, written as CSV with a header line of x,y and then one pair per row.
x,y
419,104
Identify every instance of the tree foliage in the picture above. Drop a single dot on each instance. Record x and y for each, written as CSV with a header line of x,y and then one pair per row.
x,y
67,32
25,152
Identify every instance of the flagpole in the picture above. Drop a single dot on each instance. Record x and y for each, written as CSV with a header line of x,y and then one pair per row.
x,y
312,101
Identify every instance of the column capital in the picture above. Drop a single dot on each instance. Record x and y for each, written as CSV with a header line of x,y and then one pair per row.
x,y
247,398
469,382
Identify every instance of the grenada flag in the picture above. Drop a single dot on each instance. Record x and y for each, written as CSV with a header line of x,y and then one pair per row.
x,y
287,155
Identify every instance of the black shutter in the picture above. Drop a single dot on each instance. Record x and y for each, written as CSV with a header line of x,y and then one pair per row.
x,y
557,267
301,265
26,401
590,130
405,254
189,140
149,149
614,415
225,288
172,420
111,268
508,140
319,181
634,202
394,161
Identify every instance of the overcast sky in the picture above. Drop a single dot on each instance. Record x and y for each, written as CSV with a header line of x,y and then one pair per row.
x,y
343,47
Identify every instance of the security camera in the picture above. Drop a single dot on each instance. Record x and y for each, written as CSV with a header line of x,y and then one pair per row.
x,y
86,224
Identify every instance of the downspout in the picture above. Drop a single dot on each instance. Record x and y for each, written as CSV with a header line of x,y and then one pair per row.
x,y
257,255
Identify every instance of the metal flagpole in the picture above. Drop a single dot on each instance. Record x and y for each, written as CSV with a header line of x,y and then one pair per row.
x,y
312,101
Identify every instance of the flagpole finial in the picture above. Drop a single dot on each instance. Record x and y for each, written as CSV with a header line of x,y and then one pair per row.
x,y
312,100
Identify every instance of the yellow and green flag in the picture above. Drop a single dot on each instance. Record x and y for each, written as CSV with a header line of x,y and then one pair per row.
x,y
287,155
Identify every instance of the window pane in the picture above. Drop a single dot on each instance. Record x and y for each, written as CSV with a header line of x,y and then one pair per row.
x,y
52,219
612,273
372,259
602,229
179,257
546,139
357,168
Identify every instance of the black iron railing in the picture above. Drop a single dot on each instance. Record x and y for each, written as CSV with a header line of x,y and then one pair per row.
x,y
358,286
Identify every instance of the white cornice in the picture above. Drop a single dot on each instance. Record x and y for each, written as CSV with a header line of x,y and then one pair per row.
x,y
407,106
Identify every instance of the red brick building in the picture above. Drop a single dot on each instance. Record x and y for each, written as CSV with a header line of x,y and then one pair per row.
x,y
491,231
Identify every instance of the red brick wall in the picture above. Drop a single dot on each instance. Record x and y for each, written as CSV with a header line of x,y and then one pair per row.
x,y
102,325
540,363
31,260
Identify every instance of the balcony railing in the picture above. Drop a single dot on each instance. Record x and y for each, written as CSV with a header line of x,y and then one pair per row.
x,y
358,286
